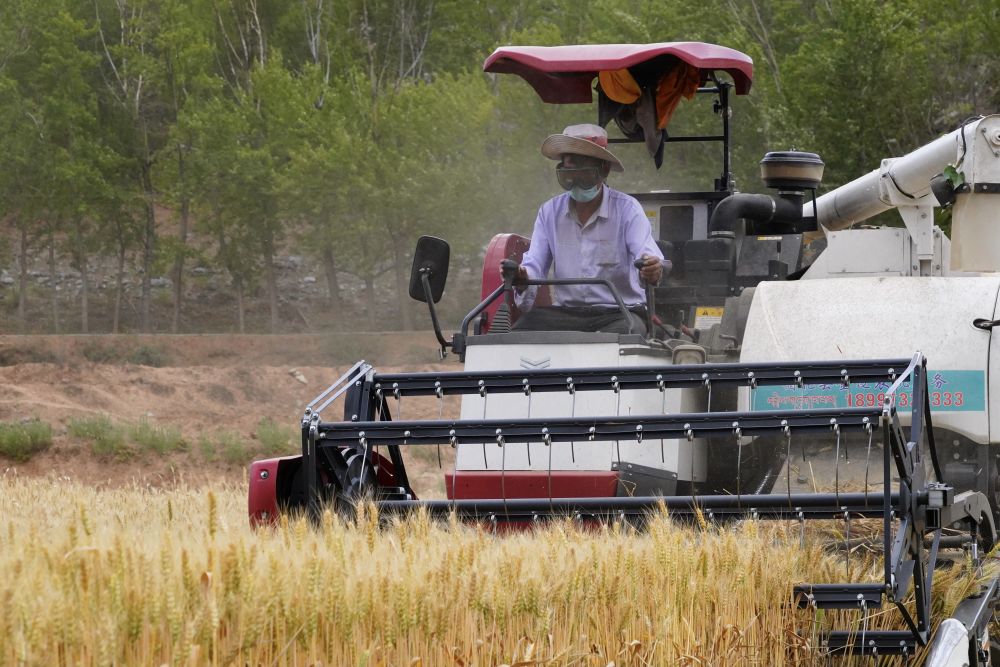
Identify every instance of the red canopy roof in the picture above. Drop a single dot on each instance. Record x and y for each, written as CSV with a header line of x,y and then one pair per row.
x,y
563,74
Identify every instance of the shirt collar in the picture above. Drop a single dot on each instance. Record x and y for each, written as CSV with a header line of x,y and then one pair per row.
x,y
602,210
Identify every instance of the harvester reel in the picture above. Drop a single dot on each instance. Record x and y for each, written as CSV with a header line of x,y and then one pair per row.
x,y
350,472
343,475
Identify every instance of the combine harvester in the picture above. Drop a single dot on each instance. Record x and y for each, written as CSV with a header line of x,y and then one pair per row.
x,y
772,366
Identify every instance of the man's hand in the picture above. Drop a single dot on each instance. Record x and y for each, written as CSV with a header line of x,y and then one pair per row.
x,y
520,277
652,269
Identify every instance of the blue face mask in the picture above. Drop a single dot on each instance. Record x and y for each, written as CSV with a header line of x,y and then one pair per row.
x,y
584,195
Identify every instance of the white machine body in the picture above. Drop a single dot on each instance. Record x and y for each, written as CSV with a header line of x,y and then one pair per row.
x,y
880,318
577,350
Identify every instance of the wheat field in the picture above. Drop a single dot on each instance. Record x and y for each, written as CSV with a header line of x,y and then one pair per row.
x,y
141,576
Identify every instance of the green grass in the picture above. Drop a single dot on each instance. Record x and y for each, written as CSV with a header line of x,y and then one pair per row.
x,y
208,448
276,439
158,439
234,448
113,353
116,441
145,355
22,441
107,439
98,353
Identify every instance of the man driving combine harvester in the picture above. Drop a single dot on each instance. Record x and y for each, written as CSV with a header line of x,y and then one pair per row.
x,y
590,230
792,361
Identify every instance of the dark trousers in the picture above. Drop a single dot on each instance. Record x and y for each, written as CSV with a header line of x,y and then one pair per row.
x,y
585,318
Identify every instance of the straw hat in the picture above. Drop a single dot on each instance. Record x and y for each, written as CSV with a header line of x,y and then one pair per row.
x,y
585,139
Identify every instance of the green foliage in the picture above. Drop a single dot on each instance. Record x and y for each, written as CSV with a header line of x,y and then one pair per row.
x,y
954,176
20,442
27,354
345,130
99,353
148,355
158,439
233,448
275,439
118,353
229,447
107,439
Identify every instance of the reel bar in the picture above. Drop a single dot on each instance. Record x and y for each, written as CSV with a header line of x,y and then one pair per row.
x,y
641,377
572,429
763,506
872,643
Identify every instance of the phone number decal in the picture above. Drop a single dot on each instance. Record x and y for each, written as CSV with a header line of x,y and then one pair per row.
x,y
948,391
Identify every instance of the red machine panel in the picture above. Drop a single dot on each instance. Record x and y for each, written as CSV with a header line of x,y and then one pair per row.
x,y
563,74
469,484
505,246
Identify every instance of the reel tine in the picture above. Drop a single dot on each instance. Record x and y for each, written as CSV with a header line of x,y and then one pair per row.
x,y
527,392
440,396
788,458
663,410
868,456
847,544
503,469
738,432
547,439
399,401
864,620
364,458
836,470
618,411
801,479
482,392
572,413
454,470
708,386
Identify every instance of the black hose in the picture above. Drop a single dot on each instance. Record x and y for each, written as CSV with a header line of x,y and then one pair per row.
x,y
759,208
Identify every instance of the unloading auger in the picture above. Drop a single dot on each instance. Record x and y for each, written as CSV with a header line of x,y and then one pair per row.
x,y
360,458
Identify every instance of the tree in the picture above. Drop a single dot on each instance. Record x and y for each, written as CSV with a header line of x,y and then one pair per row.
x,y
134,76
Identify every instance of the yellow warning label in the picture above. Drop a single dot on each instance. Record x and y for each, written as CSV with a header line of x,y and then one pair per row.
x,y
706,316
768,238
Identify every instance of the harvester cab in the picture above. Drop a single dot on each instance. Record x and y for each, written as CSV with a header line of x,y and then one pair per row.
x,y
772,384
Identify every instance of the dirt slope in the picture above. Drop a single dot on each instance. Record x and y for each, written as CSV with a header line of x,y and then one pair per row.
x,y
207,386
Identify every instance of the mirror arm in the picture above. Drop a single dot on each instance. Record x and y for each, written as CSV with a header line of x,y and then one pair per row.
x,y
425,280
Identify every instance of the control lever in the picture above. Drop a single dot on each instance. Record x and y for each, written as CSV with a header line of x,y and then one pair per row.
x,y
650,303
508,271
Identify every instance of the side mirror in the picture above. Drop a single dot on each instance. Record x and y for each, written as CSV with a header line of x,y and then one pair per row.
x,y
430,259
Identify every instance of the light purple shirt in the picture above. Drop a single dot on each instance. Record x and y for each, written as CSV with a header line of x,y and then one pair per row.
x,y
606,247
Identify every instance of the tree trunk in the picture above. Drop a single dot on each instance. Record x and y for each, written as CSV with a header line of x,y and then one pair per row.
x,y
240,307
119,285
402,285
80,260
52,281
370,301
271,277
237,280
182,237
22,281
148,250
333,300
84,305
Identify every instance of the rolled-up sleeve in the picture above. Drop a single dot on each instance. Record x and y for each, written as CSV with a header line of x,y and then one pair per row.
x,y
639,234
